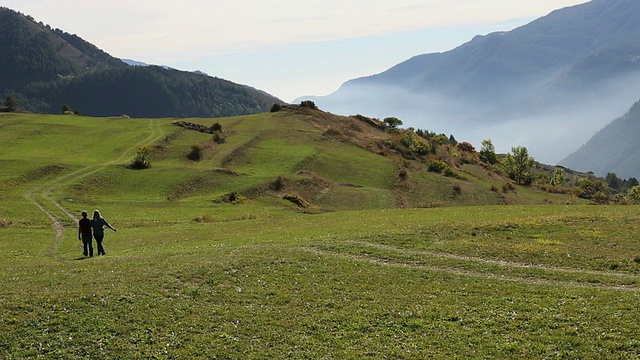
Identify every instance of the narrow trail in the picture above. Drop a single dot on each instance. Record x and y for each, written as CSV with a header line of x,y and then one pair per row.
x,y
40,195
508,277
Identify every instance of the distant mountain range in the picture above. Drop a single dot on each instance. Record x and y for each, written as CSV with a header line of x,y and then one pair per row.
x,y
44,69
548,85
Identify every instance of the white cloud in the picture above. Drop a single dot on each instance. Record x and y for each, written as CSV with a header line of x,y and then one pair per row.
x,y
134,27
289,48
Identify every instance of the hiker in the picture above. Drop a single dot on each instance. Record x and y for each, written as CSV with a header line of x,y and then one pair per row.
x,y
84,234
98,223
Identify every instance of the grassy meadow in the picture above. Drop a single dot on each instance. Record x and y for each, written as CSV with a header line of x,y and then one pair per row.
x,y
190,274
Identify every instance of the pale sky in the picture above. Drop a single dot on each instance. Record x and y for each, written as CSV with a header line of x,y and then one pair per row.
x,y
288,48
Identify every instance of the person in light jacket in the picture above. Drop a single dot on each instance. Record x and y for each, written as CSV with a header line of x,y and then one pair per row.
x,y
98,223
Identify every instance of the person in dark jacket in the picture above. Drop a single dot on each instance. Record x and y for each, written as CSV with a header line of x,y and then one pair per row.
x,y
98,223
85,234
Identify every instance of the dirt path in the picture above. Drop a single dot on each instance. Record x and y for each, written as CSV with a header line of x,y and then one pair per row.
x,y
41,195
508,276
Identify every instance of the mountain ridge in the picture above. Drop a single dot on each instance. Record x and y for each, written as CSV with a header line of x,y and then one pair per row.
x,y
512,84
45,68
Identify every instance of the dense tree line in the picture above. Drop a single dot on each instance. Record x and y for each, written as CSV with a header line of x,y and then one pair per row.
x,y
145,92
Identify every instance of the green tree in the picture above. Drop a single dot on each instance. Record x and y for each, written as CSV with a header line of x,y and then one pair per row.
x,y
518,164
10,104
633,195
592,189
309,104
613,181
559,178
392,122
488,152
66,109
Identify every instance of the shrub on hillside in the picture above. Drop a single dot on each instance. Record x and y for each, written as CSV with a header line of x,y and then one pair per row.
x,y
440,167
195,154
218,138
466,147
142,159
309,105
415,143
275,108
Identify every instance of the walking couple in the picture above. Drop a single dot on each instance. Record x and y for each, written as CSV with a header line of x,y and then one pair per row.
x,y
88,228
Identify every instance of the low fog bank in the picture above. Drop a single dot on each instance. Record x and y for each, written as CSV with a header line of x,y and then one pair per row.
x,y
550,129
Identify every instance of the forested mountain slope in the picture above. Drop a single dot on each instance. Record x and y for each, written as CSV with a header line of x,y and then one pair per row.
x,y
44,68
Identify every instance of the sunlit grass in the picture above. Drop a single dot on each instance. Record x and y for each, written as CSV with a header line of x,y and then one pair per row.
x,y
188,275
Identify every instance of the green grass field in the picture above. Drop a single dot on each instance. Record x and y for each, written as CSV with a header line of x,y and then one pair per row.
x,y
189,275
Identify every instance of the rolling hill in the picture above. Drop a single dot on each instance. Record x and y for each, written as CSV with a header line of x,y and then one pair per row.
x,y
309,159
44,68
549,85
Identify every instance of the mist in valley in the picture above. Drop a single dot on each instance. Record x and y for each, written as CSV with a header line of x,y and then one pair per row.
x,y
552,123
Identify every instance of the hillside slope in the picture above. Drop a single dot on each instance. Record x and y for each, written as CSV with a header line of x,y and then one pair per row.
x,y
298,159
44,68
548,84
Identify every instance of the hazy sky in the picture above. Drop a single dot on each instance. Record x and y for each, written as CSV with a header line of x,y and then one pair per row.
x,y
289,48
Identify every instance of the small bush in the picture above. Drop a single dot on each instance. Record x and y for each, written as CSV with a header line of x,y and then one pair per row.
x,y
142,158
438,166
309,105
466,147
195,154
219,139
275,108
216,127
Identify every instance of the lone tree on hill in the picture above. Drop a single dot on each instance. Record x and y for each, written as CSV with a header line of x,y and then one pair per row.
x,y
309,104
10,104
392,122
518,165
488,152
